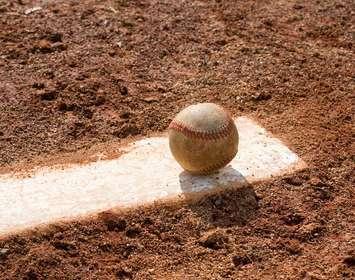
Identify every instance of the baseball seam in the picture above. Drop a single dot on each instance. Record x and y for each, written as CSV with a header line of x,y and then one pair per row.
x,y
222,132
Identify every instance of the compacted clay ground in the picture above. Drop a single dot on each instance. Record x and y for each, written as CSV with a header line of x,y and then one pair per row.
x,y
79,75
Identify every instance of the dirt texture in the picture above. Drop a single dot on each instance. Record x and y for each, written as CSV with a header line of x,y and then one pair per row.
x,y
77,74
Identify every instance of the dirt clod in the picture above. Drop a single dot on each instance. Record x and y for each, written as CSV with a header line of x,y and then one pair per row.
x,y
123,90
240,260
63,245
124,274
133,231
48,95
127,130
55,37
311,231
349,260
38,85
3,253
215,239
293,219
113,221
262,96
294,181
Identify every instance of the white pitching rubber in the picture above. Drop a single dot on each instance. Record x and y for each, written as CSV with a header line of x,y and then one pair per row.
x,y
146,172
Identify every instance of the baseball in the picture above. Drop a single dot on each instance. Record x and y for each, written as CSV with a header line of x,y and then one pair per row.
x,y
203,138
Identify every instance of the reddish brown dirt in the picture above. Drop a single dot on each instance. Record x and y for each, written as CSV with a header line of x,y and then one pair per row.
x,y
79,73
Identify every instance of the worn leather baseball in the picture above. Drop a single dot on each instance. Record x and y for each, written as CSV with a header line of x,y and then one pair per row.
x,y
203,138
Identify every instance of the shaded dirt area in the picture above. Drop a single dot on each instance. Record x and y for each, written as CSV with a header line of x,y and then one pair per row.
x,y
77,74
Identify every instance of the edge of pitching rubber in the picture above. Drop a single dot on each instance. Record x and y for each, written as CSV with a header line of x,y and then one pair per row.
x,y
168,201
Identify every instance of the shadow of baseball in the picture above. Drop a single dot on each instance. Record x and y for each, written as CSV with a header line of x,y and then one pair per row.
x,y
222,199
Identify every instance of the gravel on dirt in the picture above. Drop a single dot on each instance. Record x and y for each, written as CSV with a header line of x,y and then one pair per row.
x,y
76,75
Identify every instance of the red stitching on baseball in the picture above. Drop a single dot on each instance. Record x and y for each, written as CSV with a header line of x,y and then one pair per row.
x,y
222,132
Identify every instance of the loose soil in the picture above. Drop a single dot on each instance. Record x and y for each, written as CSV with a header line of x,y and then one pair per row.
x,y
78,74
